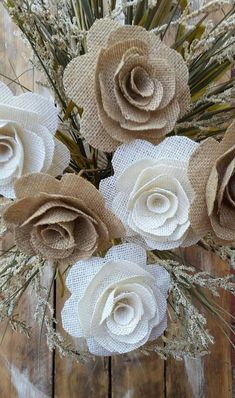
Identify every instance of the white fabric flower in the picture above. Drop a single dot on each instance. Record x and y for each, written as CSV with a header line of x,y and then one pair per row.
x,y
151,194
28,123
118,303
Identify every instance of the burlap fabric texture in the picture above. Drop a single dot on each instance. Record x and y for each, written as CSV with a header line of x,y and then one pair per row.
x,y
129,84
62,220
212,175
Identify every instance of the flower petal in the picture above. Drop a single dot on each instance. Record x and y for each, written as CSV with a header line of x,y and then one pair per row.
x,y
5,93
60,160
45,110
70,318
128,252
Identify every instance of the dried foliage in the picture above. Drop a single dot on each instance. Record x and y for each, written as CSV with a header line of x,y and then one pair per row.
x,y
56,32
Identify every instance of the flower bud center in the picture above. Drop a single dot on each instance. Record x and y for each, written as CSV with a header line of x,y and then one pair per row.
x,y
6,151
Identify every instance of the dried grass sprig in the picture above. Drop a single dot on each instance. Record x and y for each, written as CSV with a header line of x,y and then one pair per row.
x,y
57,34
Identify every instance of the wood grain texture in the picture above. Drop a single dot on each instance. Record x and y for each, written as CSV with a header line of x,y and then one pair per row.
x,y
73,379
29,370
210,376
136,375
26,366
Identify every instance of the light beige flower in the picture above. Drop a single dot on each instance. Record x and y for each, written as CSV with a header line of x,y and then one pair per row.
x,y
28,123
151,193
117,303
62,220
129,84
212,174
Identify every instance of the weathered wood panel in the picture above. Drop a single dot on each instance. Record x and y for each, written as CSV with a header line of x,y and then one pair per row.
x,y
136,375
210,376
79,380
26,366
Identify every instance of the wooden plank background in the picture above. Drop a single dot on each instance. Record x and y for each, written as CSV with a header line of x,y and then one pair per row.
x,y
29,370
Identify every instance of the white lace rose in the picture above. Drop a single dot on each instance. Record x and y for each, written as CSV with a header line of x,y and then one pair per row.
x,y
118,303
28,123
151,193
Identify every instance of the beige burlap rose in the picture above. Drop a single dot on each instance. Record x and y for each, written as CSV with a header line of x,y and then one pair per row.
x,y
129,84
62,220
6,237
212,175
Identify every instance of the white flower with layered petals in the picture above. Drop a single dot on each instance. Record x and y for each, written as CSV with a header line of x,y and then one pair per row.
x,y
151,194
117,303
28,123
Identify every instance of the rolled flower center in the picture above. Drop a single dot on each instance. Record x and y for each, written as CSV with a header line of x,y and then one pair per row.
x,y
141,83
158,203
123,314
125,311
230,190
6,151
58,236
52,235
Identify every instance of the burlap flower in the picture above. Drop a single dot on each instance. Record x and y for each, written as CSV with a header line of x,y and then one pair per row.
x,y
6,237
212,174
28,123
117,303
129,84
151,193
60,220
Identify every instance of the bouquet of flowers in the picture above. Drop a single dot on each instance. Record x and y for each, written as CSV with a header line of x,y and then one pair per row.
x,y
132,162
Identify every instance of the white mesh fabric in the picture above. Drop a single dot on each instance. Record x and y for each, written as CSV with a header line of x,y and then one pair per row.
x,y
24,118
35,121
161,276
45,109
60,160
130,252
158,330
97,349
80,275
142,170
34,151
5,93
100,286
177,148
49,145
